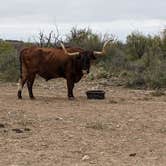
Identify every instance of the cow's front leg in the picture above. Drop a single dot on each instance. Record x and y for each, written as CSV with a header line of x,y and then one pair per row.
x,y
70,86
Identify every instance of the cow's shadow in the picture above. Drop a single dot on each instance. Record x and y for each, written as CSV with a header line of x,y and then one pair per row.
x,y
57,99
49,98
52,99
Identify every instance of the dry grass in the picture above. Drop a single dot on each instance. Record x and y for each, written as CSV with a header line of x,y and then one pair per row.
x,y
54,131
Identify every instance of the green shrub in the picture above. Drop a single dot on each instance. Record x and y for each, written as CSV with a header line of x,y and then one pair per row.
x,y
158,93
9,65
91,76
136,80
139,63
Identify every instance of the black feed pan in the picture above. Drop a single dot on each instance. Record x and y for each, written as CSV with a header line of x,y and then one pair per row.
x,y
95,94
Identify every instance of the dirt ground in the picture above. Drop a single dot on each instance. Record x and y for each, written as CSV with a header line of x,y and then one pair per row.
x,y
128,128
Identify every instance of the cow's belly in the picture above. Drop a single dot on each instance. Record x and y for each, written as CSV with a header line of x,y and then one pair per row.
x,y
47,75
50,70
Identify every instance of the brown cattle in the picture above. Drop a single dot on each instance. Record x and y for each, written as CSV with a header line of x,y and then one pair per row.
x,y
52,63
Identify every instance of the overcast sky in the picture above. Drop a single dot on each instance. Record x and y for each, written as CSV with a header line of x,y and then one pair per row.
x,y
22,19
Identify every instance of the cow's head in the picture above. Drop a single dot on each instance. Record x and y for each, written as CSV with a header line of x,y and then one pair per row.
x,y
84,58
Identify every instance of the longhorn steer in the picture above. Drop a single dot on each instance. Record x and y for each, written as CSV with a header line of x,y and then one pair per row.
x,y
52,63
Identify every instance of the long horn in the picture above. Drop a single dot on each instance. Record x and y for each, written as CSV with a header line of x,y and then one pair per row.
x,y
68,53
103,50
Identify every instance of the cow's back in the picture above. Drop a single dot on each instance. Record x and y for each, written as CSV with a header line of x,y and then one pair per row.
x,y
47,62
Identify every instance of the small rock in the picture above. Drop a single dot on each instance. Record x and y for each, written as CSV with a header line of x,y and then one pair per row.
x,y
27,129
131,120
132,154
5,131
86,157
18,130
118,126
58,118
2,125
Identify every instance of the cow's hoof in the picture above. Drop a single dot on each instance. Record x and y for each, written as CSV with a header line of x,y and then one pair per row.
x,y
19,97
32,98
71,98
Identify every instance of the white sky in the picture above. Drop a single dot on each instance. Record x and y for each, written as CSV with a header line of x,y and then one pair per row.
x,y
23,19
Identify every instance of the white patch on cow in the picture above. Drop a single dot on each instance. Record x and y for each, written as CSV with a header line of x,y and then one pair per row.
x,y
19,85
85,72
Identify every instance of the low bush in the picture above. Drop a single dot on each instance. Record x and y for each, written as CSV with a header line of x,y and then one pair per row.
x,y
9,64
140,62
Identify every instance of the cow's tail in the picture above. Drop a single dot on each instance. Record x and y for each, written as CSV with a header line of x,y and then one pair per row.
x,y
20,77
20,59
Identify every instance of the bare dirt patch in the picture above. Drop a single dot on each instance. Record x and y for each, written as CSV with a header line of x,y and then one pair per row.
x,y
127,128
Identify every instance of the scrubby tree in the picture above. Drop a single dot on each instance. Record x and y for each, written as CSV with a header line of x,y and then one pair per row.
x,y
136,45
84,38
50,39
163,42
9,66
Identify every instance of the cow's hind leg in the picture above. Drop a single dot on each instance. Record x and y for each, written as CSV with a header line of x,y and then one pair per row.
x,y
70,86
21,83
30,82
